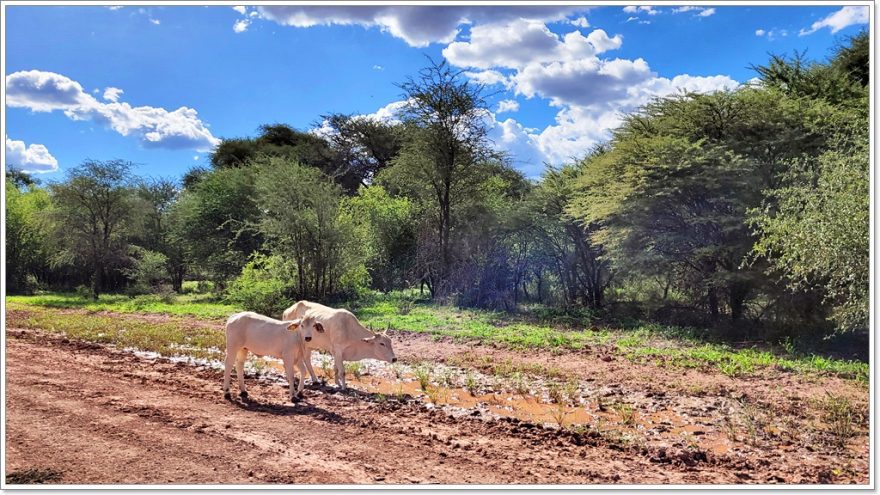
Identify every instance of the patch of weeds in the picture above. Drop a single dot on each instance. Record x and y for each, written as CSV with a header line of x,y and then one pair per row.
x,y
570,389
33,476
840,416
423,375
381,398
355,368
470,384
626,412
729,427
558,413
753,420
520,385
556,393
446,378
326,367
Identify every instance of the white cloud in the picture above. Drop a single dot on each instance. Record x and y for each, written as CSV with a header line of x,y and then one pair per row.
x,y
34,158
241,9
580,22
488,77
647,9
155,21
42,91
418,26
845,17
698,11
115,7
508,106
196,157
253,13
112,94
378,67
591,93
772,34
490,45
760,32
241,25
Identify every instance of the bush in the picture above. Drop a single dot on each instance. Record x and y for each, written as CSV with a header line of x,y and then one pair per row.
x,y
260,287
148,271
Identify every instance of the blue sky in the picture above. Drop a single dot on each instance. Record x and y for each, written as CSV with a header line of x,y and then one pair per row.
x,y
161,85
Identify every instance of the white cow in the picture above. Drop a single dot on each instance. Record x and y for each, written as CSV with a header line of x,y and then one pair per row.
x,y
341,334
264,336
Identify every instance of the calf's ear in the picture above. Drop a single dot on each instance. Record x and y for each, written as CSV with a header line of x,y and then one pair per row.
x,y
294,324
369,339
319,327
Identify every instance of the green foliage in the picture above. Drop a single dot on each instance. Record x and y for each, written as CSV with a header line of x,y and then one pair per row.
x,y
388,226
148,270
817,229
215,223
27,235
260,287
303,224
93,217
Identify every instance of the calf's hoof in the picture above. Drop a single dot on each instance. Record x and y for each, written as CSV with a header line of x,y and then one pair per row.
x,y
295,399
227,395
243,394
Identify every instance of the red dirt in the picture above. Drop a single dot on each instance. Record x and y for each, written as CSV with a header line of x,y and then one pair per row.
x,y
99,415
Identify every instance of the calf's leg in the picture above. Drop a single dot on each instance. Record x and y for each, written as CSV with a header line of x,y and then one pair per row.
x,y
227,371
239,370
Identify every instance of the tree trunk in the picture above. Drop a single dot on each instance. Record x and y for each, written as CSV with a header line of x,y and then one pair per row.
x,y
738,294
713,303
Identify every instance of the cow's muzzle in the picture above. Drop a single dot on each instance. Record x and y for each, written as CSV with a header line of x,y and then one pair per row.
x,y
308,339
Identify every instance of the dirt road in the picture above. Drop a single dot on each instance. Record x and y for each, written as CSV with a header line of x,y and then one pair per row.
x,y
99,415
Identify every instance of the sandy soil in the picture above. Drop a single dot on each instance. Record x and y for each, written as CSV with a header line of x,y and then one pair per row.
x,y
98,415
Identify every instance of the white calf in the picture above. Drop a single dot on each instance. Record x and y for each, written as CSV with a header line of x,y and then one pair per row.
x,y
265,336
339,332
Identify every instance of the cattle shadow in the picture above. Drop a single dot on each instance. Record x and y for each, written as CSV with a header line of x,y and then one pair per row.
x,y
301,408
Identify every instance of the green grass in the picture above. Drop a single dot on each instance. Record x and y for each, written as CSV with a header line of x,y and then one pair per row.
x,y
173,337
197,305
555,331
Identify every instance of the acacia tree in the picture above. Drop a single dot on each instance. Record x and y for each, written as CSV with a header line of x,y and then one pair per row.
x,y
93,213
446,135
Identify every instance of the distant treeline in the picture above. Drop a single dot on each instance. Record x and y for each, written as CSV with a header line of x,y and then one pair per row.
x,y
741,208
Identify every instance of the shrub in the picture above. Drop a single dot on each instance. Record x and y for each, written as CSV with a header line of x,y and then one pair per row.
x,y
260,287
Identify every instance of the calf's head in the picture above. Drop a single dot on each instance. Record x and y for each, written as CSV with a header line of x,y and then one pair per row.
x,y
379,347
307,327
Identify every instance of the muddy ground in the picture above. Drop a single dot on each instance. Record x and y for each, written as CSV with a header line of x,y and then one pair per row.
x,y
88,413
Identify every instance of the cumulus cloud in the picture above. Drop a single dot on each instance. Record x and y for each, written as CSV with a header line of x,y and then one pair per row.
x,y
488,77
580,22
418,26
34,158
241,26
155,21
760,32
845,17
508,106
112,94
42,91
241,9
591,92
490,45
